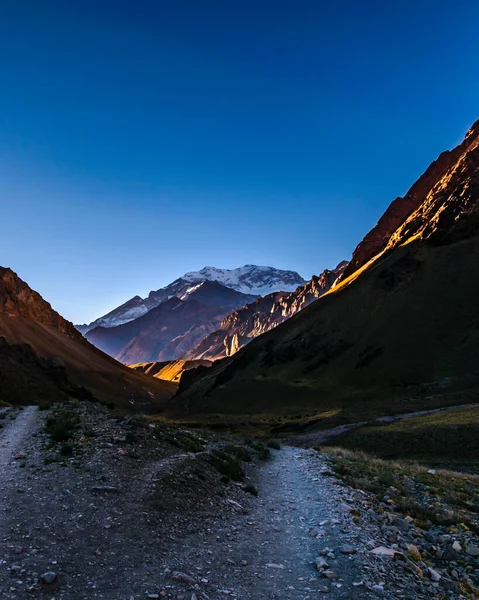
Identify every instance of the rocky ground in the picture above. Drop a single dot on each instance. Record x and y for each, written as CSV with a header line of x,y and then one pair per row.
x,y
125,509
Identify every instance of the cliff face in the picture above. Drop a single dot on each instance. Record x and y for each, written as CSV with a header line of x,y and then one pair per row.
x,y
242,326
402,208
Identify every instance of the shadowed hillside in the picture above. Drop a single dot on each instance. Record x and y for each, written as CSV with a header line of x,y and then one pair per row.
x,y
44,358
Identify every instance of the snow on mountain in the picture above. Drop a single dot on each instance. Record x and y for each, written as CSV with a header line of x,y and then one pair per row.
x,y
250,279
130,310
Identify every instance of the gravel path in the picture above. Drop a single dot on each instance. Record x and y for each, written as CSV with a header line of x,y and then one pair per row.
x,y
271,551
114,526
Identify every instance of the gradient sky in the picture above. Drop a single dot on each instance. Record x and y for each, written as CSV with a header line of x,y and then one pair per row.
x,y
142,139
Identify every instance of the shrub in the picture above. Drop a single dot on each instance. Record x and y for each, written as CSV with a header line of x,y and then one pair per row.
x,y
227,465
250,488
273,444
262,450
66,450
60,426
239,452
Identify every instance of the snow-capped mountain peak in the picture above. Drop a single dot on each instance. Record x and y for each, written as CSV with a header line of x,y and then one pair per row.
x,y
249,279
252,280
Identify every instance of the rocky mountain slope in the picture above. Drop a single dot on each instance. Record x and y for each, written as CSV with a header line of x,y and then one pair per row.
x,y
247,323
251,280
401,332
171,329
402,208
43,357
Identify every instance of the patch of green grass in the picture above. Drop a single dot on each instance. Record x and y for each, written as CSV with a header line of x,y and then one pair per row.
x,y
227,465
44,406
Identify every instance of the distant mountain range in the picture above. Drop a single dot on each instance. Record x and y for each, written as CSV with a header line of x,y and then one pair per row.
x,y
173,327
205,319
251,280
399,331
247,323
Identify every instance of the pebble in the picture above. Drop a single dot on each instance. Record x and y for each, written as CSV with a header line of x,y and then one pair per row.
x,y
48,577
329,574
401,524
183,577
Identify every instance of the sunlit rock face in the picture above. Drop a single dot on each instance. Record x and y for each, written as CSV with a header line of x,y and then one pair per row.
x,y
243,325
427,196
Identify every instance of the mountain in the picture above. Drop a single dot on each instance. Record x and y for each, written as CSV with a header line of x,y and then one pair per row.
x,y
132,309
250,280
400,332
247,323
402,208
172,328
44,358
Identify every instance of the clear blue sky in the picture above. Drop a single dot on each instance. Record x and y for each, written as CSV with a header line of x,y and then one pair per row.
x,y
142,139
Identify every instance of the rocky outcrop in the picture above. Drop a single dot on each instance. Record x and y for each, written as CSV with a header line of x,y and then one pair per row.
x,y
247,323
170,371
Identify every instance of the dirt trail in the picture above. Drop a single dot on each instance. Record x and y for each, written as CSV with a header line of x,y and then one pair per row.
x,y
270,552
126,541
13,435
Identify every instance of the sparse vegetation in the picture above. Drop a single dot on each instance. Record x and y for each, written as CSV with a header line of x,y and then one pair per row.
x,y
448,438
61,424
430,497
66,450
273,444
263,452
227,465
250,488
239,452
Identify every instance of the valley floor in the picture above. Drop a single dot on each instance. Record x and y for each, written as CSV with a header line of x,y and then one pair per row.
x,y
121,520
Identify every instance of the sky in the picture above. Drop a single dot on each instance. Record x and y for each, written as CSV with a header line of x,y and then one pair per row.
x,y
143,139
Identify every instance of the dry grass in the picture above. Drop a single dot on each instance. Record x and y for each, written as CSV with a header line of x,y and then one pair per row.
x,y
448,438
441,497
